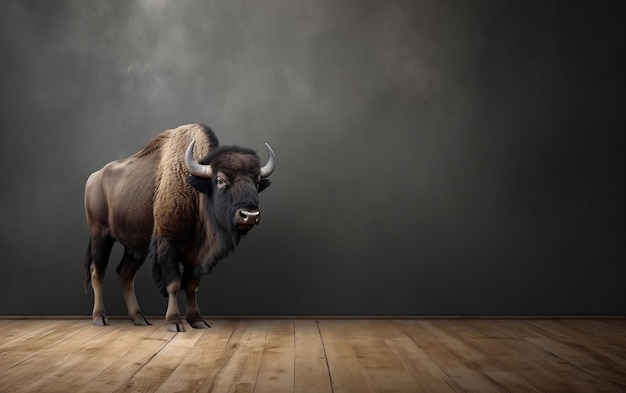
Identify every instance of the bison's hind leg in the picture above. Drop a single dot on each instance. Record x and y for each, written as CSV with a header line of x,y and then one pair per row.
x,y
127,270
100,252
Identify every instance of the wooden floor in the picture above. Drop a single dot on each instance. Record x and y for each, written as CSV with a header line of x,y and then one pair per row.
x,y
453,355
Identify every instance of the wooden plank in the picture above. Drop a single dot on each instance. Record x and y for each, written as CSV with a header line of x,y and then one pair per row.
x,y
13,332
276,373
150,377
383,370
462,373
555,338
199,369
310,368
501,346
476,357
428,376
608,349
613,330
86,358
240,363
27,339
54,359
563,375
20,334
95,357
145,344
346,373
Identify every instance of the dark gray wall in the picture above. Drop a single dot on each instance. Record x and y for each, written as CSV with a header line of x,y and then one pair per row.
x,y
433,157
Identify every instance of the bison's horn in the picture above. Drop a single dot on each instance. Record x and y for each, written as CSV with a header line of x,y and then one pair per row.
x,y
193,166
269,167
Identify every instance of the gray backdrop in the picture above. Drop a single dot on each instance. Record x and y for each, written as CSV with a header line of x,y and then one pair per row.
x,y
434,158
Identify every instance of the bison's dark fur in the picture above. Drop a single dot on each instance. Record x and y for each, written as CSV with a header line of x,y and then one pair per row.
x,y
153,205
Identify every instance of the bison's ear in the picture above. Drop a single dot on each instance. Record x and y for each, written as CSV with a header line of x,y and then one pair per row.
x,y
199,184
263,184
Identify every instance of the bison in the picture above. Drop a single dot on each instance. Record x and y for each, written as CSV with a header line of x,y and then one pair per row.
x,y
183,202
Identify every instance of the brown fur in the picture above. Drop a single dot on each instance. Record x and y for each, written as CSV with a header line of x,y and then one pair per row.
x,y
147,187
148,201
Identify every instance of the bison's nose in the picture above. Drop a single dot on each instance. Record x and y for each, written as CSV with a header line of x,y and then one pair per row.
x,y
248,217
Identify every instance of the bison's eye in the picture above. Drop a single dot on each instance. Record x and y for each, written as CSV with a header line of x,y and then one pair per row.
x,y
221,184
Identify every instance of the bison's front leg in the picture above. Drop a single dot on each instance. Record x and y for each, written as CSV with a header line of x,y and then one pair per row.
x,y
191,283
166,275
172,316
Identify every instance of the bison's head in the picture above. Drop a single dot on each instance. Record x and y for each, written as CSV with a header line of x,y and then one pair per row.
x,y
232,178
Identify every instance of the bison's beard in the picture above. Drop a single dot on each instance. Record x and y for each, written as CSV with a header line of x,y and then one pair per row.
x,y
218,213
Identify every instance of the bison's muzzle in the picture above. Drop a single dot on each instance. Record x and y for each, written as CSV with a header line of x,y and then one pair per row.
x,y
246,218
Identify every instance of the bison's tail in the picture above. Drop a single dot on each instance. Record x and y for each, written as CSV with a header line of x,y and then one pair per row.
x,y
88,260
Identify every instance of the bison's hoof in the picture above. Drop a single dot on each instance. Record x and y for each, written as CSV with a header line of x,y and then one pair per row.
x,y
101,321
175,326
199,324
141,321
